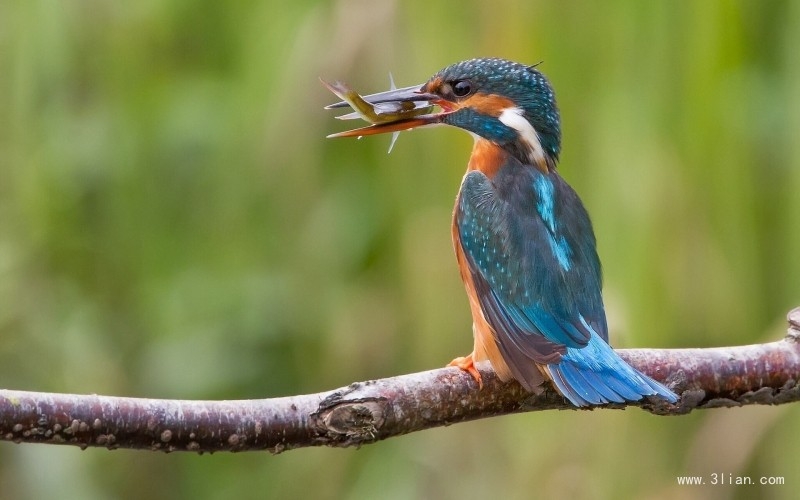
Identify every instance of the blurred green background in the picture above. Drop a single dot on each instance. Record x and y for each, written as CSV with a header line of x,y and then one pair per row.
x,y
173,223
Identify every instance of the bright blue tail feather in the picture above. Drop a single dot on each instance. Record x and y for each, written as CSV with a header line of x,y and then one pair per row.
x,y
595,374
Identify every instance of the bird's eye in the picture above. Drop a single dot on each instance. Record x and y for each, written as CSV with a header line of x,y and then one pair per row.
x,y
462,88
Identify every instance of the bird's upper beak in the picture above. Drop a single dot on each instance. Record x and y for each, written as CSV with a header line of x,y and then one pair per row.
x,y
391,111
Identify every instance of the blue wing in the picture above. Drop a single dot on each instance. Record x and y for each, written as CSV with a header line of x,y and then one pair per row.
x,y
534,260
532,255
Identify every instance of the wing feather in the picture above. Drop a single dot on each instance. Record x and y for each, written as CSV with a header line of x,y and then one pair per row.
x,y
532,297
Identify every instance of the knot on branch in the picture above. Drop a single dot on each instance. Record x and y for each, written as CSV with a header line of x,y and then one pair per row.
x,y
349,421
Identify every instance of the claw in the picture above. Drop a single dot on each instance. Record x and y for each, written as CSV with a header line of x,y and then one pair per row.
x,y
467,363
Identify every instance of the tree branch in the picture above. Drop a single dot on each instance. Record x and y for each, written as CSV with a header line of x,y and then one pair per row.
x,y
365,412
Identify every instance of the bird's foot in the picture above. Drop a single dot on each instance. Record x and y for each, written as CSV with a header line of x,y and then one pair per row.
x,y
467,363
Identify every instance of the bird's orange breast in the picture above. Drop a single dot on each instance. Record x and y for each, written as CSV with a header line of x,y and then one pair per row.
x,y
487,157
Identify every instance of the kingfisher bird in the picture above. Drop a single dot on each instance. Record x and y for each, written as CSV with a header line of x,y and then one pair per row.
x,y
523,240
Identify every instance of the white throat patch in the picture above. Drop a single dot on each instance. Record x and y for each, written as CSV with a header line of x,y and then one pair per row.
x,y
512,117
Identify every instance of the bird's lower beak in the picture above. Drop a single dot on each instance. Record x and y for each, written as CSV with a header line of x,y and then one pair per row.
x,y
391,111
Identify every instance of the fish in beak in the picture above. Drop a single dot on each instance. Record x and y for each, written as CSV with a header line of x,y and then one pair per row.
x,y
392,111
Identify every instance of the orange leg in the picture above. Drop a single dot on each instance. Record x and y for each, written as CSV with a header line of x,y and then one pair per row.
x,y
467,363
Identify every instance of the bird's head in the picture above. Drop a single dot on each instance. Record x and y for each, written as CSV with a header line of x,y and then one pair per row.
x,y
509,104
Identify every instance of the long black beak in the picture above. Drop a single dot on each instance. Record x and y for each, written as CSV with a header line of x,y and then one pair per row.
x,y
413,93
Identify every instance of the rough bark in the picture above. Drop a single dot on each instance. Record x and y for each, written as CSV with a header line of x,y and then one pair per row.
x,y
365,412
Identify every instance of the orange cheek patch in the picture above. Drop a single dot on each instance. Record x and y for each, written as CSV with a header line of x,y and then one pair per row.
x,y
433,86
488,104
